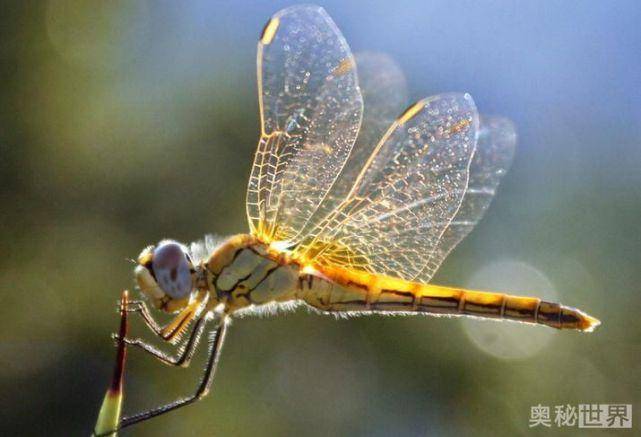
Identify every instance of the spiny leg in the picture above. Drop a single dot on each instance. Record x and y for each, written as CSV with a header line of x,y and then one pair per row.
x,y
140,307
188,349
203,387
173,330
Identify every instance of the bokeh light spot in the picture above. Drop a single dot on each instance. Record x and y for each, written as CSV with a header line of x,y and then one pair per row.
x,y
508,340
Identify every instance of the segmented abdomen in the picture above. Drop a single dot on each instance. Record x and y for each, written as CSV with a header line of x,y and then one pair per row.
x,y
338,290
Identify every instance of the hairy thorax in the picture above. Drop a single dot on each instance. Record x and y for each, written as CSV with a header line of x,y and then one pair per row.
x,y
243,272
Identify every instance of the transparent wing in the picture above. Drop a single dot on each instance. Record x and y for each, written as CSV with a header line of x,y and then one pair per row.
x,y
384,90
311,110
494,153
405,196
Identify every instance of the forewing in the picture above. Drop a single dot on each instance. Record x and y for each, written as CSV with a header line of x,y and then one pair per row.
x,y
384,90
494,153
311,110
405,196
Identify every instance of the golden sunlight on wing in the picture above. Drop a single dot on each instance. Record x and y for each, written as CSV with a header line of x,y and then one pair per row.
x,y
492,158
311,110
407,193
384,89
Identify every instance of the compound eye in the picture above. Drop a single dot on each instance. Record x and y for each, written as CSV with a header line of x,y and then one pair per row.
x,y
171,269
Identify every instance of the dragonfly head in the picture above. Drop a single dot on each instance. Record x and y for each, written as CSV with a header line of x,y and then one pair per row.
x,y
165,274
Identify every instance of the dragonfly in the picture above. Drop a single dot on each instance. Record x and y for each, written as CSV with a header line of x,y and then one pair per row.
x,y
353,203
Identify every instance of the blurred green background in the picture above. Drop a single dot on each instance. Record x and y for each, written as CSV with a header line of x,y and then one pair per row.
x,y
122,123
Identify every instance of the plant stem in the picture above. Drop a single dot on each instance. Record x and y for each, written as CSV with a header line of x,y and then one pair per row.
x,y
109,416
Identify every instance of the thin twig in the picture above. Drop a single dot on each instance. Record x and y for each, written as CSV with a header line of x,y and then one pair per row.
x,y
109,416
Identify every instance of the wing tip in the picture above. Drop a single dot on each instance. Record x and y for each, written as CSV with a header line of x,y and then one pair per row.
x,y
344,66
411,112
269,31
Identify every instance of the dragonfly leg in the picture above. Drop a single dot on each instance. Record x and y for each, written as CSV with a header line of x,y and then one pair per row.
x,y
174,329
140,307
187,350
201,391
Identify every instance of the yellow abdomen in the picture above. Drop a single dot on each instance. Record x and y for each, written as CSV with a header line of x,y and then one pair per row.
x,y
335,289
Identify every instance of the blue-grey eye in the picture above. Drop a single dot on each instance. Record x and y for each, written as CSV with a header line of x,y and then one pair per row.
x,y
171,269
